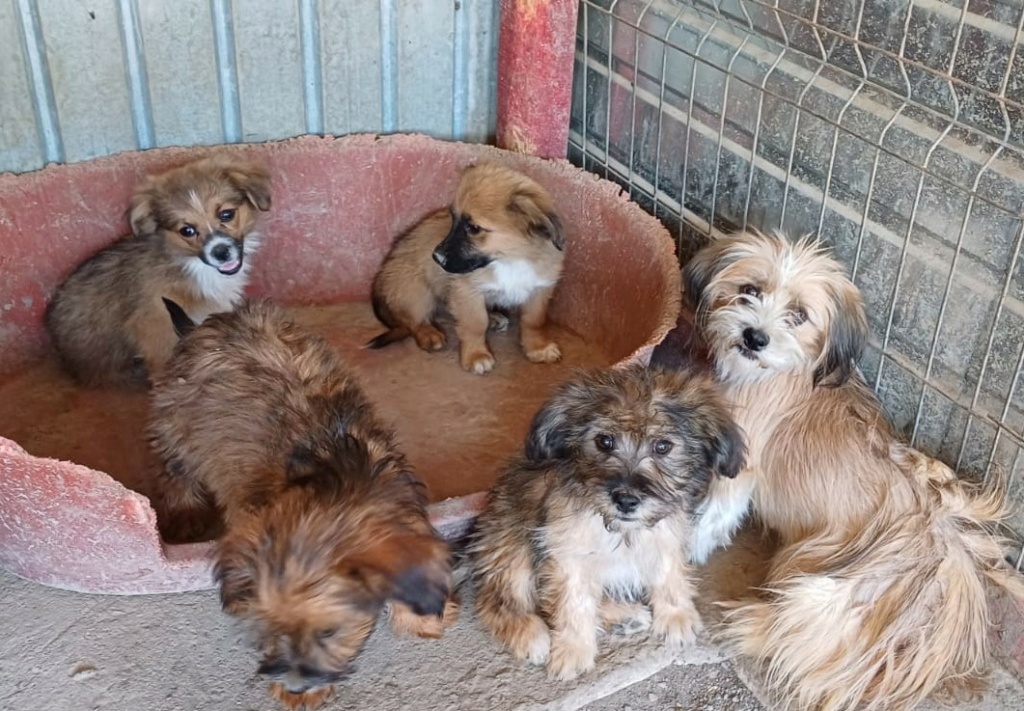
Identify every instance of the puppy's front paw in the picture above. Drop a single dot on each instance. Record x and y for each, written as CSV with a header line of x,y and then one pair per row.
x,y
570,658
678,626
478,362
405,621
548,353
529,638
306,701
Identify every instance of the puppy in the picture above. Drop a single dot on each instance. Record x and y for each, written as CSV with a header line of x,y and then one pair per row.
x,y
499,246
877,596
596,516
325,521
194,230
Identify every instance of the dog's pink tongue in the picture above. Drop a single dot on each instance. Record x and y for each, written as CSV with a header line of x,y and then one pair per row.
x,y
228,267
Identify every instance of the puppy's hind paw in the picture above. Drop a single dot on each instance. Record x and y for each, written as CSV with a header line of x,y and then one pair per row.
x,y
497,321
405,621
429,338
548,353
306,701
624,618
678,627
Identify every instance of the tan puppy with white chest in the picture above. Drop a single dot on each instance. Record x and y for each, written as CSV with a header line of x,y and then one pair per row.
x,y
499,246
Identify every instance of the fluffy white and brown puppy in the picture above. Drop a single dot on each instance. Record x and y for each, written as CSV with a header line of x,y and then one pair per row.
x,y
876,597
593,521
499,246
193,232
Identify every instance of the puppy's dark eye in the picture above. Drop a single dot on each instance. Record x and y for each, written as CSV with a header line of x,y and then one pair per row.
x,y
326,633
605,443
473,229
187,231
226,215
798,316
662,447
750,290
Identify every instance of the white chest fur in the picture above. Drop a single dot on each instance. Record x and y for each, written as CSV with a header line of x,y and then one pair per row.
x,y
510,282
221,292
624,563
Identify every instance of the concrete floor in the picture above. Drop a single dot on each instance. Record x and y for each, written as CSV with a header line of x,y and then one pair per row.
x,y
62,651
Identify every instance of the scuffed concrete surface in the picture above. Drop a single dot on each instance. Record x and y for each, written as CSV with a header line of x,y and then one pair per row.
x,y
63,651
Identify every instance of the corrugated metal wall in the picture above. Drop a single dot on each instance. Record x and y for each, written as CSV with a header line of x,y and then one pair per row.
x,y
85,78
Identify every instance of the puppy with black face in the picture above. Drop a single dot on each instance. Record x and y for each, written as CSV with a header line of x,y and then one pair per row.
x,y
591,524
193,232
499,246
325,522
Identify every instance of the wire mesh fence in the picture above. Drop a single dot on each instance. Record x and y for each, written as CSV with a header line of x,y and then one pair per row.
x,y
892,128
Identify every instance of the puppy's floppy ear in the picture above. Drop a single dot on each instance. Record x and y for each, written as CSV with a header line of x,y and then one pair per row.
x,y
724,448
254,181
701,270
847,337
183,325
413,569
539,222
548,437
142,211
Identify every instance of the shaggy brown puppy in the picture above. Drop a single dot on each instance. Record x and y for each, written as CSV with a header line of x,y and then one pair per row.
x,y
877,597
499,246
325,521
193,227
595,517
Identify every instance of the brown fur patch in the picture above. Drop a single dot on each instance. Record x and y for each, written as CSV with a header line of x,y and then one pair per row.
x,y
325,521
501,244
107,320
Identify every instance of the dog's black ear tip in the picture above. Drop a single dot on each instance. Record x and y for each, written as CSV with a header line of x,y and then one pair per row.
x,y
729,453
423,594
183,325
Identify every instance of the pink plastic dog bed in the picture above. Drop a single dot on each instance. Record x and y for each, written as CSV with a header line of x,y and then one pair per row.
x,y
74,468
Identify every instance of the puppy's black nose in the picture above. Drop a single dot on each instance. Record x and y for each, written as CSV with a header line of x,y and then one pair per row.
x,y
754,339
625,502
440,257
221,253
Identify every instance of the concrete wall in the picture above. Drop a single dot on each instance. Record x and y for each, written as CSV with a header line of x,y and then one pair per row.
x,y
895,129
84,79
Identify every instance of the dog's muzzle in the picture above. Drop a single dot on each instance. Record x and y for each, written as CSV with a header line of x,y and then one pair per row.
x,y
456,254
625,502
222,253
300,679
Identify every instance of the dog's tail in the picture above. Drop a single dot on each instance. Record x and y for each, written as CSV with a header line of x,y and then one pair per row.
x,y
392,335
884,620
183,325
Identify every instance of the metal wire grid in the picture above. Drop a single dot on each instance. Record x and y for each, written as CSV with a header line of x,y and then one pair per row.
x,y
895,130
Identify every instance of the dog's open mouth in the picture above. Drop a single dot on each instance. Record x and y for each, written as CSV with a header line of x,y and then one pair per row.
x,y
229,268
746,352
